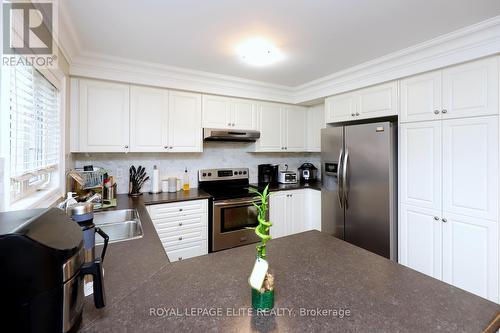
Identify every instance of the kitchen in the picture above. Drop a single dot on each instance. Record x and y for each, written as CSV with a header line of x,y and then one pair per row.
x,y
380,158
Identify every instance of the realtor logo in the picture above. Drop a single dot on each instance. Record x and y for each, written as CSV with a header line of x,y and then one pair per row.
x,y
28,33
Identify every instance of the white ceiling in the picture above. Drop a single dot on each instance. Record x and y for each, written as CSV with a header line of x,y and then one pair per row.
x,y
318,37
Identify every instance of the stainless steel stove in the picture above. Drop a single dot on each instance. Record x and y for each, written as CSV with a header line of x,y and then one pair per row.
x,y
233,211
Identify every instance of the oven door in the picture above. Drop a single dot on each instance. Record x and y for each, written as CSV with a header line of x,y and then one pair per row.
x,y
231,220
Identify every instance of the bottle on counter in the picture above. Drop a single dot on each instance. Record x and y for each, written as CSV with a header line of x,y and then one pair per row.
x,y
185,181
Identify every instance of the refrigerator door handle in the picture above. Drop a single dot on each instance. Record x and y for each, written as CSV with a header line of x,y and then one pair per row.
x,y
340,190
345,190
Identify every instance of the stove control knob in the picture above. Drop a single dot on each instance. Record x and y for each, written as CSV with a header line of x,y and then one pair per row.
x,y
204,174
244,172
209,174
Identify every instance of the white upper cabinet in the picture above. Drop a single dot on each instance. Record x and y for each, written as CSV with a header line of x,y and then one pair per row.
x,y
421,97
372,102
421,164
420,234
470,255
466,90
216,112
377,101
228,113
315,122
149,119
295,128
471,89
470,167
103,109
340,108
271,118
184,125
242,114
282,128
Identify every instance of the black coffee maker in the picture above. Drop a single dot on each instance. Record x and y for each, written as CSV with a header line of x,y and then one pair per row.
x,y
267,173
42,270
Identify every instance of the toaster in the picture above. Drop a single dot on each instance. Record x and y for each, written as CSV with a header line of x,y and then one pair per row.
x,y
287,177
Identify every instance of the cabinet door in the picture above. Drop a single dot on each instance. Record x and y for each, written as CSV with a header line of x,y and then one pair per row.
x,y
378,101
470,167
295,129
420,247
340,108
297,212
216,112
278,214
471,89
420,164
271,120
470,255
421,97
315,122
104,116
314,209
148,119
242,114
184,126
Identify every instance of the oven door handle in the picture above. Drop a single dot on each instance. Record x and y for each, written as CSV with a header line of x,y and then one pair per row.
x,y
232,202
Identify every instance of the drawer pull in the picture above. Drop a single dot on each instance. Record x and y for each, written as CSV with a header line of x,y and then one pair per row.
x,y
180,224
180,238
180,209
180,258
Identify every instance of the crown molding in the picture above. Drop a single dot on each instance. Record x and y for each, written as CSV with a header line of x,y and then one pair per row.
x,y
472,42
132,71
68,40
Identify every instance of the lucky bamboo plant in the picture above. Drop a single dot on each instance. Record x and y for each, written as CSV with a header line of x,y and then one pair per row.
x,y
262,230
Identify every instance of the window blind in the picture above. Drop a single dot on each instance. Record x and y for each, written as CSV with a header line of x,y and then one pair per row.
x,y
34,130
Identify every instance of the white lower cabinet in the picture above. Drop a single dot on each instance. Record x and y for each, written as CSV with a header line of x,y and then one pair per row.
x,y
460,250
182,228
470,255
294,211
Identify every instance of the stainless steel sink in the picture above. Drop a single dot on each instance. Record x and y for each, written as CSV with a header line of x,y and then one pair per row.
x,y
120,225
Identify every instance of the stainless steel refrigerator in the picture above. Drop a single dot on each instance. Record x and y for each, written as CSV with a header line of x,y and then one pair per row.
x,y
359,193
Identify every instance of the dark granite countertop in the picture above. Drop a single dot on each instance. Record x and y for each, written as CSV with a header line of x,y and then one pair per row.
x,y
297,186
312,270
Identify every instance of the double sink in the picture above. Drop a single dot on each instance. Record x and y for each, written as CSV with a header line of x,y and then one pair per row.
x,y
119,225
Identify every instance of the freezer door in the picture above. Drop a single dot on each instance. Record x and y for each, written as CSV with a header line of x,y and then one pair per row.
x,y
332,211
369,185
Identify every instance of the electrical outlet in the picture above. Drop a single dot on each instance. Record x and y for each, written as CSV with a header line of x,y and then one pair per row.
x,y
119,173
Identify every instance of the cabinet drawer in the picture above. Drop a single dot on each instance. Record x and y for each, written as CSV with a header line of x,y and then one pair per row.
x,y
177,209
181,222
191,250
177,238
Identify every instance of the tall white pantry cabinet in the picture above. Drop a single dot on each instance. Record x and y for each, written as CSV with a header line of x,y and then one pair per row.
x,y
449,184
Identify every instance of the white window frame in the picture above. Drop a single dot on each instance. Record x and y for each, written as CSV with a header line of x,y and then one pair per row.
x,y
49,196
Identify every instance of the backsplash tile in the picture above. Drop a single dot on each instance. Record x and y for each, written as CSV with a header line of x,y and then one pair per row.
x,y
215,155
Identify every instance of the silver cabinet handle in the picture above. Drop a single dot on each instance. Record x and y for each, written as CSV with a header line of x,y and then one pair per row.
x,y
436,111
180,258
286,148
444,111
444,220
180,238
180,209
171,147
233,125
436,218
180,224
228,124
352,114
126,146
166,147
357,113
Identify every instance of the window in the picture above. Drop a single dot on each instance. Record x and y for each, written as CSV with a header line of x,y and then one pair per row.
x,y
34,132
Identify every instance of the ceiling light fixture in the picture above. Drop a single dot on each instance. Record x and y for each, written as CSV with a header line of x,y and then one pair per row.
x,y
259,52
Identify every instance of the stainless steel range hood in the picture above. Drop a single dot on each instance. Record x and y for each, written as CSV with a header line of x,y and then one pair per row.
x,y
213,134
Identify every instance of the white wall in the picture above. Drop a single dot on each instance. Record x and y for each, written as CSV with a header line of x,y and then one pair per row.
x,y
215,155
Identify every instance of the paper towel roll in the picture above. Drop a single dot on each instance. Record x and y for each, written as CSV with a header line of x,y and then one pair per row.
x,y
155,180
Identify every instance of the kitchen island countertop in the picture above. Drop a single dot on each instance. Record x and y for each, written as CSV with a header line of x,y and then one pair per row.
x,y
318,280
